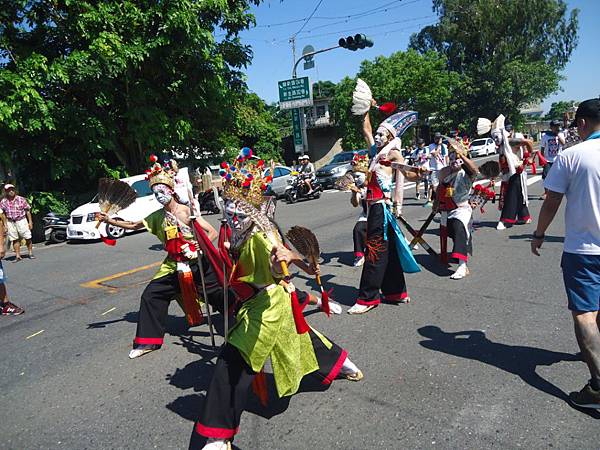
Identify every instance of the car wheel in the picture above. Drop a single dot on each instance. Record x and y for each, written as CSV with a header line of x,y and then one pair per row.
x,y
114,232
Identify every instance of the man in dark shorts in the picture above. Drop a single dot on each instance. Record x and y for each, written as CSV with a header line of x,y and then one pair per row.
x,y
576,175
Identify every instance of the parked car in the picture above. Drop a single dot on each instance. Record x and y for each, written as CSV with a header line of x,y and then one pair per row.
x,y
281,175
482,147
82,221
336,168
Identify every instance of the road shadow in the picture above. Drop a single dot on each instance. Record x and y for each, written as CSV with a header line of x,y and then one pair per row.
x,y
521,361
156,247
547,238
341,293
346,258
432,264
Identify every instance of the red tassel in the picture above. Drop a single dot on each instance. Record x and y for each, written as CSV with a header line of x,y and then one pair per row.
x,y
259,387
543,161
301,325
533,168
388,108
325,302
189,294
108,241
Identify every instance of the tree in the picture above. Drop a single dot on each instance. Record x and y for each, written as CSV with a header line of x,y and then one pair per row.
x,y
420,82
323,89
85,85
557,109
510,53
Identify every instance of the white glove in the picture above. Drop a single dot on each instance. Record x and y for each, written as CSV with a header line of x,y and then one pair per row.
x,y
187,252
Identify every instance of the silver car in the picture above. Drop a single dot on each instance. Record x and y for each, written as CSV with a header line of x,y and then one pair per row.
x,y
281,175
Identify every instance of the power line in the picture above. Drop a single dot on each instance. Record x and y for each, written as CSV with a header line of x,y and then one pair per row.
x,y
308,19
360,16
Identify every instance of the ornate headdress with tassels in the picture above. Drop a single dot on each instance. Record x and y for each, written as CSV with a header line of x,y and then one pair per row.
x,y
158,174
360,163
243,180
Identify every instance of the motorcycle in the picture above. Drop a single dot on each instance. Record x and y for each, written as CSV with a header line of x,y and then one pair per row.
x,y
55,227
297,189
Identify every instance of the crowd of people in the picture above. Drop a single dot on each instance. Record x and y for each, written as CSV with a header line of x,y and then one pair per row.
x,y
242,269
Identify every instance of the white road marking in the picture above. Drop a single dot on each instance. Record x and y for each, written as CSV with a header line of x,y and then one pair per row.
x,y
34,334
106,312
533,179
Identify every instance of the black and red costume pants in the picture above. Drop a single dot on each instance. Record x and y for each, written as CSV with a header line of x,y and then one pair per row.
x,y
227,394
159,293
359,237
462,244
514,207
382,271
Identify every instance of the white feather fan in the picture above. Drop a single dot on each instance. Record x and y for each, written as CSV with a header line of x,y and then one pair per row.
x,y
483,126
361,98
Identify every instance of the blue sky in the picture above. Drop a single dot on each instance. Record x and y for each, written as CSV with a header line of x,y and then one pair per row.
x,y
390,29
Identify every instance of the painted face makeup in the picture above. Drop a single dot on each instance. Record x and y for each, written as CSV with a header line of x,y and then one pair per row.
x,y
162,193
381,137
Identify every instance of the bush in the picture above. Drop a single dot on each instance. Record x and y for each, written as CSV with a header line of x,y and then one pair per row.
x,y
44,202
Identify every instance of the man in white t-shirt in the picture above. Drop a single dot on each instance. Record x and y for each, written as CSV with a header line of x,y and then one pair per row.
x,y
576,175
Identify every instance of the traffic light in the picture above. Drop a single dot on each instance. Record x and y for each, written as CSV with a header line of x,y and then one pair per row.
x,y
358,41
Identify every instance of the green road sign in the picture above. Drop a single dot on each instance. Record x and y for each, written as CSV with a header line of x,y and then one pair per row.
x,y
297,123
295,93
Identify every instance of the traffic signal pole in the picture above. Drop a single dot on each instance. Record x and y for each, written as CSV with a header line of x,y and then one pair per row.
x,y
308,55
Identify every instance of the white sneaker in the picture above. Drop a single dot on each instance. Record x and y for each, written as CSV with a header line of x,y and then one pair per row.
x,y
359,261
500,226
460,273
360,309
137,352
217,444
335,307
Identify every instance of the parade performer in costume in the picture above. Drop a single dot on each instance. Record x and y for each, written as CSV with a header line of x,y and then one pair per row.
x,y
513,190
179,273
388,256
360,168
269,324
453,195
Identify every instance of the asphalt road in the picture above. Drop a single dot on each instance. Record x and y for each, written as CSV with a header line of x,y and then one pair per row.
x,y
479,363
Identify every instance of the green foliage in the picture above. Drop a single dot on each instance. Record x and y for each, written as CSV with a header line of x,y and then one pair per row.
x,y
44,202
87,85
323,89
413,81
557,109
509,53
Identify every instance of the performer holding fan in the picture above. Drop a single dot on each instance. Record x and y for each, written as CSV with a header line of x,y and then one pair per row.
x,y
179,272
388,256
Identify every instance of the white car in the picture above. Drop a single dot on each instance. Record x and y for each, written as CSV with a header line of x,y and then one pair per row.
x,y
482,147
82,222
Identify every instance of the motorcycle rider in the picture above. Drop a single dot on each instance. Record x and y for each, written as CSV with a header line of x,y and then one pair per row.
x,y
307,170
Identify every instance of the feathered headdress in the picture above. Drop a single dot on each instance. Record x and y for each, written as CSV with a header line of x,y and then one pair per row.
x,y
158,174
243,180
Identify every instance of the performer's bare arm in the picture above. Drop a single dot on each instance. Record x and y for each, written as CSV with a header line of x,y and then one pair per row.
x,y
208,228
471,166
355,198
128,225
396,156
367,128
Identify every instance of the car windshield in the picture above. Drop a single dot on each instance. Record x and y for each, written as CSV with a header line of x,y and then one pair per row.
x,y
142,188
477,142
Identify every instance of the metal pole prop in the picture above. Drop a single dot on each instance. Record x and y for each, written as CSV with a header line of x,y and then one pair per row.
x,y
193,208
225,286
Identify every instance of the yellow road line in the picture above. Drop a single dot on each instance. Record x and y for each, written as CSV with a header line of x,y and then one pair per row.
x,y
98,284
35,334
106,312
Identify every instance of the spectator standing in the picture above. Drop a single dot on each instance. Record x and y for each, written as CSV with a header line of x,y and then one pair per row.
x,y
420,158
552,144
6,307
438,159
576,175
18,220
